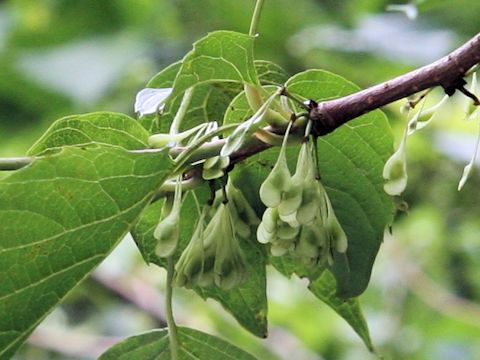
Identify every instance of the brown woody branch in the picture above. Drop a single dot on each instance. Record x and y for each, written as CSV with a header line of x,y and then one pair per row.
x,y
448,72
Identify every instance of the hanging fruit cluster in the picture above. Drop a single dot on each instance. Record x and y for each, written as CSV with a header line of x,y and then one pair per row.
x,y
299,216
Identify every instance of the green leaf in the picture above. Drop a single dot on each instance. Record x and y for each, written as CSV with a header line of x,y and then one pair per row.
x,y
220,56
209,102
351,164
270,73
94,128
247,302
61,216
325,288
166,77
154,345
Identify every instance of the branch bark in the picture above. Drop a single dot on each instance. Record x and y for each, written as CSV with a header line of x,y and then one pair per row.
x,y
448,72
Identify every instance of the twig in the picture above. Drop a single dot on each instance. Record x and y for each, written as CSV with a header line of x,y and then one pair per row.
x,y
448,72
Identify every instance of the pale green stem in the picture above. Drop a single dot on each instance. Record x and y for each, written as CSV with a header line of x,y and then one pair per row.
x,y
197,203
172,327
183,158
256,17
254,92
14,163
169,185
182,110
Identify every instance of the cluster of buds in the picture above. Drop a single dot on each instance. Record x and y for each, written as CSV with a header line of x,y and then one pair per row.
x,y
214,255
299,216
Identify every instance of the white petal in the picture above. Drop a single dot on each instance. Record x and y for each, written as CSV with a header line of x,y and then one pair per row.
x,y
410,10
149,101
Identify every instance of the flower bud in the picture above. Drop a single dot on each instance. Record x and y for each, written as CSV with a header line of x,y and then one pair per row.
x,y
167,231
189,268
292,197
278,181
270,219
311,202
229,267
264,236
287,232
281,247
241,204
395,170
213,168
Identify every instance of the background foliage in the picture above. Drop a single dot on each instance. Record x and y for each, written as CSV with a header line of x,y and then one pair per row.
x,y
61,57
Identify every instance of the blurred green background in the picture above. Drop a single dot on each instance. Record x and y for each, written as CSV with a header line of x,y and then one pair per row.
x,y
59,57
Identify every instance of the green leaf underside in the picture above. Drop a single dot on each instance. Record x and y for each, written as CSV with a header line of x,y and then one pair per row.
x,y
93,128
194,345
270,73
61,216
325,288
247,302
219,56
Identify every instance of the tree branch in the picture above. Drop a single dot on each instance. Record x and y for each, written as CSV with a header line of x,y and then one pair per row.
x,y
448,72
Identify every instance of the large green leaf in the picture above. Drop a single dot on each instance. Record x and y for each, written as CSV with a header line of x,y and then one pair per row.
x,y
351,164
154,345
93,128
61,216
247,302
219,56
325,288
